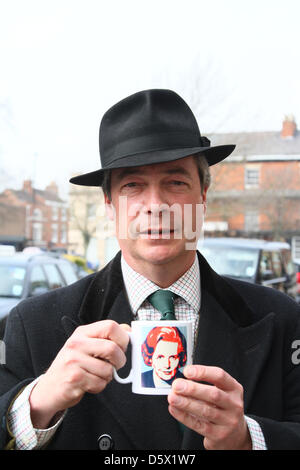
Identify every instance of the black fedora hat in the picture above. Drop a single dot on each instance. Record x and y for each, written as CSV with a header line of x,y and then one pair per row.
x,y
151,126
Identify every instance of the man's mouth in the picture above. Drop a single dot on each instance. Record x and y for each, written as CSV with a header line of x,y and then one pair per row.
x,y
157,231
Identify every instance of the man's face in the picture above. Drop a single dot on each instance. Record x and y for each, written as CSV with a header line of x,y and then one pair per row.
x,y
155,206
165,359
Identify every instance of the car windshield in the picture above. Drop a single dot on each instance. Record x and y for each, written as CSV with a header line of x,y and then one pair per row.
x,y
231,261
11,281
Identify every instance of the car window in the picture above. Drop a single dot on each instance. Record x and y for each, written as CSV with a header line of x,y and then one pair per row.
x,y
68,272
266,268
37,279
277,264
289,266
11,281
231,261
53,275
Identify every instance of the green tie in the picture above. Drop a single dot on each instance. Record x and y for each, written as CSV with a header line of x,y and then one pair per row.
x,y
163,301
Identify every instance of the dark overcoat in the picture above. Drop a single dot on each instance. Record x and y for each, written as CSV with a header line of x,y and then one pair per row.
x,y
248,330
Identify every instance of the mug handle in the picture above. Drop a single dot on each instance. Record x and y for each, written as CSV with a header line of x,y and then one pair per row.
x,y
128,379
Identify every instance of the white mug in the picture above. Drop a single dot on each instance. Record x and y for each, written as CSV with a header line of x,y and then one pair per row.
x,y
160,350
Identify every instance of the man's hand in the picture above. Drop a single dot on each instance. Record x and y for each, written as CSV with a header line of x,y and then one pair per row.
x,y
215,411
84,364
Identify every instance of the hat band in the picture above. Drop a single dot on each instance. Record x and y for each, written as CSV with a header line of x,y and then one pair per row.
x,y
150,143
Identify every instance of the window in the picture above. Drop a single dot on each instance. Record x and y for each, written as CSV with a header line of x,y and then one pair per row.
x,y
54,213
54,233
277,264
38,279
63,233
251,177
290,267
231,261
53,275
265,266
251,221
37,232
63,213
11,281
68,272
37,214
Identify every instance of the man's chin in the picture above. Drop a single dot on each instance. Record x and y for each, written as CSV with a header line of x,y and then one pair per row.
x,y
158,253
161,253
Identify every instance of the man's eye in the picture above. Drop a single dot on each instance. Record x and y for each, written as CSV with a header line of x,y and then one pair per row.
x,y
178,183
130,185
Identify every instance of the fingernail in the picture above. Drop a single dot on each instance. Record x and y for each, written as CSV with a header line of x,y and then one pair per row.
x,y
189,371
179,386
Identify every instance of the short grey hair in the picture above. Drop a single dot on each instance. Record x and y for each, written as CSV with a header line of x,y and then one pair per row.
x,y
203,171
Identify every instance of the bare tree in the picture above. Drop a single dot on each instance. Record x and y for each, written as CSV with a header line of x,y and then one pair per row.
x,y
83,213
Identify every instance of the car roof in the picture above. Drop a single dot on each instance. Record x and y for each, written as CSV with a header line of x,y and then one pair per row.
x,y
23,259
250,243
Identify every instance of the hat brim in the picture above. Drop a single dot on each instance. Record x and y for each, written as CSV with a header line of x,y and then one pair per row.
x,y
213,155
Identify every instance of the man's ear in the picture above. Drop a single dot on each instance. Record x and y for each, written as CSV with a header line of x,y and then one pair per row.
x,y
204,199
109,208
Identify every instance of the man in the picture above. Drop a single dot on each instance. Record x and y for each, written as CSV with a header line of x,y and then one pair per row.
x,y
243,389
164,349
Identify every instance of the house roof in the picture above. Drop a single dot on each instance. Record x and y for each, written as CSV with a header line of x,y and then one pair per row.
x,y
48,195
259,144
28,197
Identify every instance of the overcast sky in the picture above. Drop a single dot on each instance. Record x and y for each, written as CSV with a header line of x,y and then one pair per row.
x,y
64,62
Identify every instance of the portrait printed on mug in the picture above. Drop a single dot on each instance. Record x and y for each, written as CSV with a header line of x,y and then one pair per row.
x,y
163,355
160,350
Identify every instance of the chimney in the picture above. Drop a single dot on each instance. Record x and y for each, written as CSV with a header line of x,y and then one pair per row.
x,y
289,127
52,188
27,186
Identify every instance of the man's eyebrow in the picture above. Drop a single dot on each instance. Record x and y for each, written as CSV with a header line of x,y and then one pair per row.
x,y
178,169
127,172
169,171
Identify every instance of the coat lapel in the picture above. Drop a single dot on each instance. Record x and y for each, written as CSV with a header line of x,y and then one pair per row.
x,y
240,351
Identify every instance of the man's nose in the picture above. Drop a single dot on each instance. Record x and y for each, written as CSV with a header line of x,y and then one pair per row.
x,y
155,202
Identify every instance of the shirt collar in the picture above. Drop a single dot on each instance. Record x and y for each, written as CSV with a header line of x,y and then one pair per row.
x,y
138,287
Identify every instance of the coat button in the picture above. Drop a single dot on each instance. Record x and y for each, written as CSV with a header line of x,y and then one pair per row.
x,y
105,442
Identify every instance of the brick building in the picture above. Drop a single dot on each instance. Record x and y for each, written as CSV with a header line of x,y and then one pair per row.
x,y
256,191
38,216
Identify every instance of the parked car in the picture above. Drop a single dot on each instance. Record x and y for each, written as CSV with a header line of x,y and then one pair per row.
x,y
81,265
256,261
27,275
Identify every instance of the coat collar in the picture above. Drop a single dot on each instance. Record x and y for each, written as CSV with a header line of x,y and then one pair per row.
x,y
108,283
228,337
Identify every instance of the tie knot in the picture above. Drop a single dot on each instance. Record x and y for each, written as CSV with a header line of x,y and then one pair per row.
x,y
163,301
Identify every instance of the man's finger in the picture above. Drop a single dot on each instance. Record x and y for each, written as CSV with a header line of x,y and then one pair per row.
x,y
204,393
193,422
105,329
213,375
97,347
125,326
